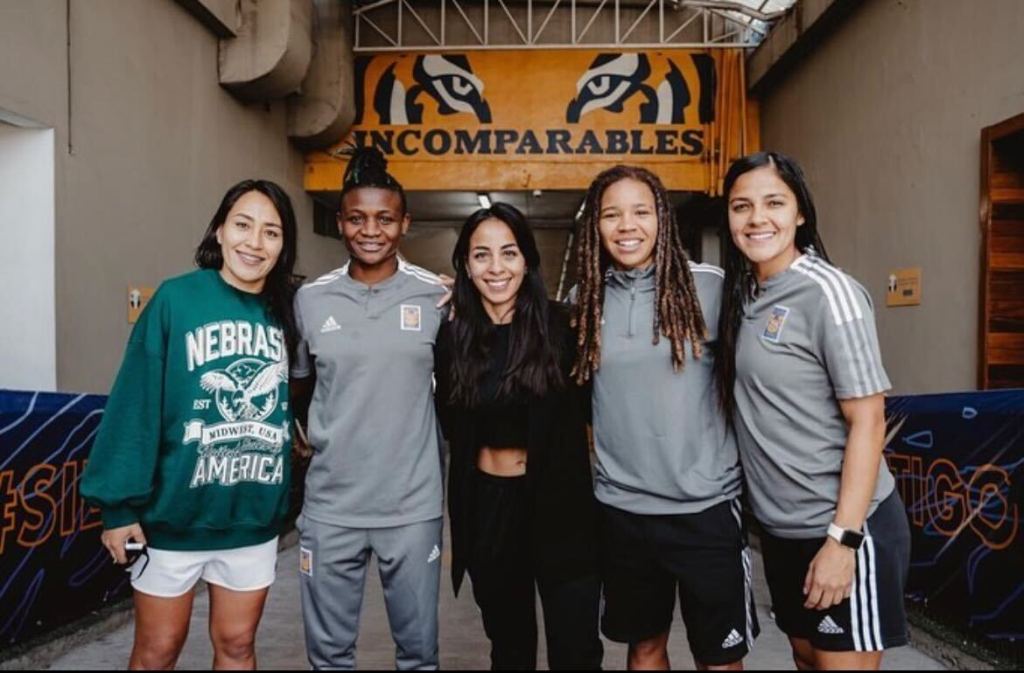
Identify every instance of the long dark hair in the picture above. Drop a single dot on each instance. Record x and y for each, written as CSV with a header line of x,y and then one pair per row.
x,y
740,282
367,167
678,316
279,288
532,366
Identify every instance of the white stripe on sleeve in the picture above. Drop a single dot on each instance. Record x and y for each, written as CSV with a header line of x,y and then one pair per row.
x,y
845,336
418,272
708,268
853,327
862,341
328,277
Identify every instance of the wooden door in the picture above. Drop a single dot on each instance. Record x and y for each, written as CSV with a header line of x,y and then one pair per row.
x,y
1001,333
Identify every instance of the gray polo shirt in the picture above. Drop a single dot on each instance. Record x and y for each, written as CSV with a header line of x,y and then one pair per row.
x,y
662,444
807,341
377,459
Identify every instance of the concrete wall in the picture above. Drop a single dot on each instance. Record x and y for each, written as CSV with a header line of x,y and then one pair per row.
x,y
146,144
885,116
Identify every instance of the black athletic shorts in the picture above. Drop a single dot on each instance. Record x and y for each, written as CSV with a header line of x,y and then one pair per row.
x,y
646,559
873,617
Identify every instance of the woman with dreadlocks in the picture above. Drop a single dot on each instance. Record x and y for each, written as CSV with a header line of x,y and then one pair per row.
x,y
367,333
801,374
668,476
523,516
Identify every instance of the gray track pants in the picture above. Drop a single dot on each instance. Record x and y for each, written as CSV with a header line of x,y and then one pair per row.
x,y
332,570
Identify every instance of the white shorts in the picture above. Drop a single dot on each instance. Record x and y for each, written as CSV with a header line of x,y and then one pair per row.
x,y
169,574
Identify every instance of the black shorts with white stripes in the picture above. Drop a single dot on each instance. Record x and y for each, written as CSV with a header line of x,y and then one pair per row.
x,y
873,617
646,559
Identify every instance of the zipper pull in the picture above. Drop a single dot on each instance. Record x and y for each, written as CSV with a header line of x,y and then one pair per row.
x,y
632,307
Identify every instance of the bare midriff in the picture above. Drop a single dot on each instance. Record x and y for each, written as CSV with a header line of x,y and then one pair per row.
x,y
503,462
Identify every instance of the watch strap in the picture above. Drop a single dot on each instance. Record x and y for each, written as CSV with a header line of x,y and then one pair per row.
x,y
847,538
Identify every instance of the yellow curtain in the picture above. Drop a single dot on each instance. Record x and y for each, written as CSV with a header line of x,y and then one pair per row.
x,y
735,130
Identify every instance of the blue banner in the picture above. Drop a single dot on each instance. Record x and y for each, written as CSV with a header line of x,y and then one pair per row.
x,y
53,569
957,460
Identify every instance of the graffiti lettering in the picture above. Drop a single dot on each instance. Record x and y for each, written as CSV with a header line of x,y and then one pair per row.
x,y
951,500
42,502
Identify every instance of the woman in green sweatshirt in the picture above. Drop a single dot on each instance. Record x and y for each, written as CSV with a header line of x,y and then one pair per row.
x,y
192,456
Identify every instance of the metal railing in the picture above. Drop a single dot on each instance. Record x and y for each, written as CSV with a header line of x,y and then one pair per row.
x,y
425,25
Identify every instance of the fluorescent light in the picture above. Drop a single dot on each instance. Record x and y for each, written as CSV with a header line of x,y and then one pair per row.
x,y
485,201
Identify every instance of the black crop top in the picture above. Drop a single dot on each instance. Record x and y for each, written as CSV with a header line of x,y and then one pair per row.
x,y
500,423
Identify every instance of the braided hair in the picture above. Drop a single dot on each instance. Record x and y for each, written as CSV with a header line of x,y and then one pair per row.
x,y
678,316
367,167
740,281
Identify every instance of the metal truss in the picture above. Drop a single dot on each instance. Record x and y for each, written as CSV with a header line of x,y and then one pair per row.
x,y
386,25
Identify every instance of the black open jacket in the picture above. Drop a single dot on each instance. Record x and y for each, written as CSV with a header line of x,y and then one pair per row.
x,y
558,474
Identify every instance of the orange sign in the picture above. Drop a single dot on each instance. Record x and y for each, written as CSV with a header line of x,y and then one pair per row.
x,y
904,287
523,119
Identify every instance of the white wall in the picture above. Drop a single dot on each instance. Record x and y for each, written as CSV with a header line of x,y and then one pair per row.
x,y
147,142
28,341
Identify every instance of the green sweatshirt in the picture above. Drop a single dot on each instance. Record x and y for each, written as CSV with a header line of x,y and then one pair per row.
x,y
195,441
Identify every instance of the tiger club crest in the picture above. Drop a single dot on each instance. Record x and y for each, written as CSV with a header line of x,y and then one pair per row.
x,y
776,321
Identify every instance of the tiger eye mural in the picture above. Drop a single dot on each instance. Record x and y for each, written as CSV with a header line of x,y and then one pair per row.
x,y
541,119
445,81
614,80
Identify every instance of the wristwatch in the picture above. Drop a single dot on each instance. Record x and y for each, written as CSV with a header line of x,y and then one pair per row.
x,y
845,537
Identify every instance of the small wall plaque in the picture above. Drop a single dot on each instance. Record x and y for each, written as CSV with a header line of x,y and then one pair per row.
x,y
904,288
138,297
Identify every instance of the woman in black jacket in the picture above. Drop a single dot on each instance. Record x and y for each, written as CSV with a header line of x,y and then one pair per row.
x,y
519,488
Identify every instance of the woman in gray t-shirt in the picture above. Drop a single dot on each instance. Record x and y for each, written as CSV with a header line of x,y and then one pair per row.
x,y
667,474
800,373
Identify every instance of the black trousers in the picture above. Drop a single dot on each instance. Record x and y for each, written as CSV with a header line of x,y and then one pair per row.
x,y
505,587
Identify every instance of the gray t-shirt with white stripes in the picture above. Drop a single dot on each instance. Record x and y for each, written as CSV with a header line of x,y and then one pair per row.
x,y
807,341
376,454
